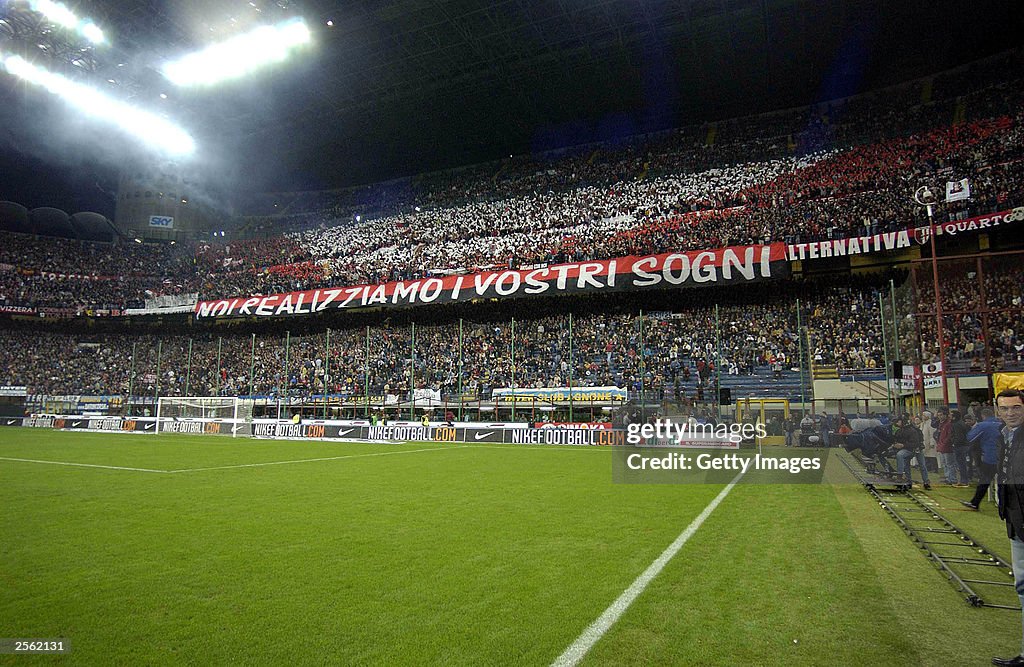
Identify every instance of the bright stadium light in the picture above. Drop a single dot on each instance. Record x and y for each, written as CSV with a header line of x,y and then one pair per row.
x,y
92,32
145,126
55,13
59,14
238,56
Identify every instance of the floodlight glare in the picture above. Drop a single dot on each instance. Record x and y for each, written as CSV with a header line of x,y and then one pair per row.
x,y
92,32
145,126
55,13
59,14
239,55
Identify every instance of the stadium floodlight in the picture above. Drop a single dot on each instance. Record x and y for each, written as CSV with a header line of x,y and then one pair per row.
x,y
59,14
148,127
92,32
55,13
239,55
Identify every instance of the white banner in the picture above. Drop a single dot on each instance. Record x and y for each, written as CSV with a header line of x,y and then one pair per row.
x,y
957,190
161,221
549,395
426,395
173,301
903,384
159,311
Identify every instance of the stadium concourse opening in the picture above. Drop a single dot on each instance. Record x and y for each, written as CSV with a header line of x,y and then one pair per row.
x,y
426,385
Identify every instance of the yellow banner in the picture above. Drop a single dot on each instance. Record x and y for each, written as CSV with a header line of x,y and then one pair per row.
x,y
1001,381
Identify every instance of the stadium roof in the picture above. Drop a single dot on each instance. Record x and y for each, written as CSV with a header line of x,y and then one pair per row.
x,y
396,88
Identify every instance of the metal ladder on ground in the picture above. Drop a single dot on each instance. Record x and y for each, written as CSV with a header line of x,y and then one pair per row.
x,y
978,573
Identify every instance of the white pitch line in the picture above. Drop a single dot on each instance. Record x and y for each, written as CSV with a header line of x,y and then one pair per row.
x,y
579,648
81,465
326,458
240,465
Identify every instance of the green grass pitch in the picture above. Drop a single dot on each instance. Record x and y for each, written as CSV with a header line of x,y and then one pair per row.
x,y
449,555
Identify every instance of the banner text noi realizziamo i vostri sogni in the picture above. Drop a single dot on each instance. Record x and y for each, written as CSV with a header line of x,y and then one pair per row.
x,y
726,265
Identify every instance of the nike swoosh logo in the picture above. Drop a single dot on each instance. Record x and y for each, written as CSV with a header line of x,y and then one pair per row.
x,y
149,426
75,424
236,429
345,432
479,436
11,422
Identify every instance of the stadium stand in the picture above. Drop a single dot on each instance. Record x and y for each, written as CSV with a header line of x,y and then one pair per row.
x,y
678,354
822,172
452,417
667,193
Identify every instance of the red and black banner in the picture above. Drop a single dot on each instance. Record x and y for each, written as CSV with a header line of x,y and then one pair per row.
x,y
899,240
742,264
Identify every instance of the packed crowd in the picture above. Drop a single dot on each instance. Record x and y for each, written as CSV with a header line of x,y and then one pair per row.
x,y
69,274
899,110
819,172
677,351
821,195
818,196
983,304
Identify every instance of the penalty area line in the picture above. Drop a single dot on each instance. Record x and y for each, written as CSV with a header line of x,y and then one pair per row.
x,y
82,465
323,458
589,637
228,467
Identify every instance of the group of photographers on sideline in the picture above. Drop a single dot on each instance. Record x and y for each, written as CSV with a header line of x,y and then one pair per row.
x,y
960,446
981,442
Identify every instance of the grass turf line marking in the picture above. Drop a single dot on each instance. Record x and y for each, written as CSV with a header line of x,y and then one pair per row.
x,y
82,465
239,465
589,637
325,458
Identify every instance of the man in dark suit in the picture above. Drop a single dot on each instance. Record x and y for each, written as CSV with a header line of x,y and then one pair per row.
x,y
1010,407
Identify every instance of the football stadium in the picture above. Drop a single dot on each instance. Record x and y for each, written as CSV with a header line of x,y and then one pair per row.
x,y
514,333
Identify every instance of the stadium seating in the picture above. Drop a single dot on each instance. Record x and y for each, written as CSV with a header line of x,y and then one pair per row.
x,y
812,173
668,194
678,354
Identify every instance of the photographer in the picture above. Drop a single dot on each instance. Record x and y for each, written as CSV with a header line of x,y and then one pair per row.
x,y
909,444
873,439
